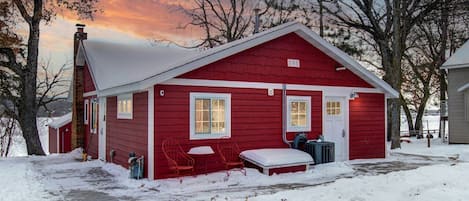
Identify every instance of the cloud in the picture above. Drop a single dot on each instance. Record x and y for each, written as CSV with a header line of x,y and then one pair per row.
x,y
157,19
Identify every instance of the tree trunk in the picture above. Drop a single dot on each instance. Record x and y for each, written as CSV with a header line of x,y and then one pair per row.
x,y
442,76
28,104
394,77
408,115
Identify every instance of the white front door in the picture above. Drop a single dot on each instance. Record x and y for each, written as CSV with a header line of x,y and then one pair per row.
x,y
334,131
102,129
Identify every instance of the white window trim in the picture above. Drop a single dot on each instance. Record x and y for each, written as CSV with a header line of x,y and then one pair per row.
x,y
306,128
227,98
94,115
86,111
125,115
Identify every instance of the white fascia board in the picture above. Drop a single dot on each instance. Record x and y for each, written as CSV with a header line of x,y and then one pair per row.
x,y
447,67
212,56
329,90
238,46
464,87
345,60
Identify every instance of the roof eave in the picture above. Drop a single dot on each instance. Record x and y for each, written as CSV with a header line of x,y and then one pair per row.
x,y
454,66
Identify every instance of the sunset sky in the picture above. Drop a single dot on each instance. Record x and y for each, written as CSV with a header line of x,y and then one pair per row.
x,y
124,21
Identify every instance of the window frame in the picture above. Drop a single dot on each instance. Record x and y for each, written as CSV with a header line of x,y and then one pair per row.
x,y
125,114
93,116
204,136
86,111
291,128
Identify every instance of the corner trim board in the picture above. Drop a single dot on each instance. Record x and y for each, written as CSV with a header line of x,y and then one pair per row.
x,y
151,133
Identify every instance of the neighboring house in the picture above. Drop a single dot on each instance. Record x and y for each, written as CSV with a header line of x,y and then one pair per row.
x,y
458,95
60,131
130,99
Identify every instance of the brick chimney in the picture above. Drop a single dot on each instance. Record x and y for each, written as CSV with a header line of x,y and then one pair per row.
x,y
78,128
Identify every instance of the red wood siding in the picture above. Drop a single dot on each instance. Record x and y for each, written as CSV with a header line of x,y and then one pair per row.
x,y
88,83
367,126
128,135
91,139
66,134
256,120
268,63
297,168
52,140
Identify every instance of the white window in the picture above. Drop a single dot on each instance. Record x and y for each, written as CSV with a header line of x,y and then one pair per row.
x,y
86,111
124,106
210,115
299,113
94,115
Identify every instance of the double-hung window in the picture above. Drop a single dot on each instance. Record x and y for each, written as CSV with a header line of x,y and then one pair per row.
x,y
86,111
94,115
210,115
124,106
299,113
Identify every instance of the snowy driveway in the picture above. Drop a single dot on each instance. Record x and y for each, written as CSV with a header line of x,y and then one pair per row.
x,y
64,178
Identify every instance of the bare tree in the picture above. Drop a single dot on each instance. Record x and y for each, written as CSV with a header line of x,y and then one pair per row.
x,y
387,25
7,132
19,65
426,52
221,20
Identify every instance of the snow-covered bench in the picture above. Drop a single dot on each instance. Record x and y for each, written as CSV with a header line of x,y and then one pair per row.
x,y
279,160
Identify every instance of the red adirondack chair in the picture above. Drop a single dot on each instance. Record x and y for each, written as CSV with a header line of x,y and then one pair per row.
x,y
178,160
229,154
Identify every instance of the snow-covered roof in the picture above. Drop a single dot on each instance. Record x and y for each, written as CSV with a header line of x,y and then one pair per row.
x,y
61,121
277,157
460,58
126,70
114,64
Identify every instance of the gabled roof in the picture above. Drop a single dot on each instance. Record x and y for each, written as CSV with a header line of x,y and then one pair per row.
x,y
154,69
113,64
460,58
61,121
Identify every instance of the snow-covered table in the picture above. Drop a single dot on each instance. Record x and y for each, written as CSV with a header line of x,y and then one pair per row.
x,y
201,155
269,159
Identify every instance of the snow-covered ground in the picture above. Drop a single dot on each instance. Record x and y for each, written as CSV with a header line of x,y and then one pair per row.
x,y
413,172
18,147
399,177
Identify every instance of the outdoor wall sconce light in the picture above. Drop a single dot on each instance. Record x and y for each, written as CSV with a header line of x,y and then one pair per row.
x,y
354,95
161,92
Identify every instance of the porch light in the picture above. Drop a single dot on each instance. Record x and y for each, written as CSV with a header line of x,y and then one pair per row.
x,y
354,95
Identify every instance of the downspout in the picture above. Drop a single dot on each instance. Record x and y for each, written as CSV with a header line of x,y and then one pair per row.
x,y
284,115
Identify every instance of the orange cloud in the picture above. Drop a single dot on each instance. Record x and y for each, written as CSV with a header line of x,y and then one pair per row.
x,y
145,18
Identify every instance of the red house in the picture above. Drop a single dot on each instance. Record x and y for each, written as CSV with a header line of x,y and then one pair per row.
x,y
60,131
253,91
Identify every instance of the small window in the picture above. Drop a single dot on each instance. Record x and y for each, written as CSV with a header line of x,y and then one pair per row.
x,y
86,111
333,108
124,106
299,113
94,116
210,115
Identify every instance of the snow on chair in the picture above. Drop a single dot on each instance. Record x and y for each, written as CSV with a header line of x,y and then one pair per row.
x,y
229,153
178,161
